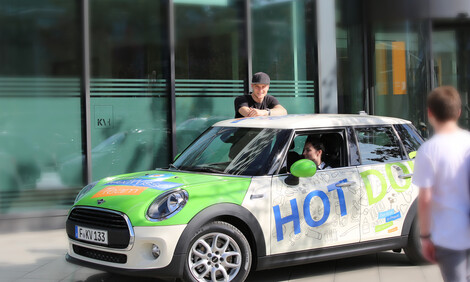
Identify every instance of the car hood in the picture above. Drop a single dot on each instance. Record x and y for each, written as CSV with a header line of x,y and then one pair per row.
x,y
133,193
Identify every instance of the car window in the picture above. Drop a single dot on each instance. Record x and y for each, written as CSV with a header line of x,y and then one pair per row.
x,y
233,150
332,156
378,145
410,138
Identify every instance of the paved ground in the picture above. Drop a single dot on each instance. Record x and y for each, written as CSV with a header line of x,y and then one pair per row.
x,y
39,256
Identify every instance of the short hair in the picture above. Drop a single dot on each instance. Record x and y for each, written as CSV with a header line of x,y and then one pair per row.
x,y
315,142
444,103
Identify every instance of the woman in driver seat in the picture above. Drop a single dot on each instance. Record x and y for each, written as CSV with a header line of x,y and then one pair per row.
x,y
313,150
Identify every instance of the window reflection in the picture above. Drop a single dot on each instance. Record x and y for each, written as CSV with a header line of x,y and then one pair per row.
x,y
400,68
378,145
128,87
209,64
350,58
282,33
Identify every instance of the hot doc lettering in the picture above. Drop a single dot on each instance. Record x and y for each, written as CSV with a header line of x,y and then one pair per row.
x,y
372,173
366,178
295,218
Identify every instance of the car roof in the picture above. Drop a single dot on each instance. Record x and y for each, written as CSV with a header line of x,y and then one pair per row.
x,y
304,121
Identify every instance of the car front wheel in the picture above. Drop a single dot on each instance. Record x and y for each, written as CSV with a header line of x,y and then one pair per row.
x,y
218,252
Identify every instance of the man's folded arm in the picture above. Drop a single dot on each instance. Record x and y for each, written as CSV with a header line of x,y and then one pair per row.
x,y
278,110
244,111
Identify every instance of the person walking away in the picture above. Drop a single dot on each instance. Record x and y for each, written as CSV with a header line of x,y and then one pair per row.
x,y
441,173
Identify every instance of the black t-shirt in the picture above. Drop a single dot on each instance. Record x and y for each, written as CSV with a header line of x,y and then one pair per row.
x,y
268,102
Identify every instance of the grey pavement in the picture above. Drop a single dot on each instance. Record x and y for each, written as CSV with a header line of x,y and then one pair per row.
x,y
39,256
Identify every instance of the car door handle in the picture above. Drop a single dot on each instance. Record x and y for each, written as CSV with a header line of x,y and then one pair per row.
x,y
256,196
346,184
405,176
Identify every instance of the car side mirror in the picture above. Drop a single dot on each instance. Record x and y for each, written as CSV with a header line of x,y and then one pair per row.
x,y
301,168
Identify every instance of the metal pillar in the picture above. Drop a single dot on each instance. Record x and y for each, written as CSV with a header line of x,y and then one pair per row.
x,y
85,91
326,38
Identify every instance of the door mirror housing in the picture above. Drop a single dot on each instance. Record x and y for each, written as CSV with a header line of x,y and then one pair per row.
x,y
301,168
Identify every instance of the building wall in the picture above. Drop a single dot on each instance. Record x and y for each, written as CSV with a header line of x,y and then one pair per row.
x,y
161,72
143,62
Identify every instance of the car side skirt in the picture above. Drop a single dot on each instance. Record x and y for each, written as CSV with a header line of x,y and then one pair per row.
x,y
330,253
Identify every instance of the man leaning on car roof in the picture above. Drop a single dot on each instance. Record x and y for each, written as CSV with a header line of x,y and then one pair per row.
x,y
258,103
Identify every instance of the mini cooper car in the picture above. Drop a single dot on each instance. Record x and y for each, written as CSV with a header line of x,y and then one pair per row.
x,y
241,197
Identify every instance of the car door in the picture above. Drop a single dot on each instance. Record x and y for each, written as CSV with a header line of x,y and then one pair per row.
x,y
385,174
320,211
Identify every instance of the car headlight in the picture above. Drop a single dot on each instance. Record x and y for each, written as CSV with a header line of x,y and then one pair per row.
x,y
167,205
85,190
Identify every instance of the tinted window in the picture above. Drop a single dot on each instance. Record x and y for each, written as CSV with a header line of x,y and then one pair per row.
x,y
378,145
409,137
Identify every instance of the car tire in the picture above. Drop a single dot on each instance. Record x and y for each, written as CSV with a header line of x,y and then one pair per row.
x,y
413,248
229,258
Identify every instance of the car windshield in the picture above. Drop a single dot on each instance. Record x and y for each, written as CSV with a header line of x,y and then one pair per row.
x,y
235,150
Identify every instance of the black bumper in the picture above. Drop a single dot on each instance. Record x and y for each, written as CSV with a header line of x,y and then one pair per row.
x,y
173,270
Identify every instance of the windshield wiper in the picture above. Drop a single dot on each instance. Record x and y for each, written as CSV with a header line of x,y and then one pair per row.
x,y
204,169
173,166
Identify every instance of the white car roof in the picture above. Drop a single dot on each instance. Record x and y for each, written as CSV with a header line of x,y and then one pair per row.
x,y
305,121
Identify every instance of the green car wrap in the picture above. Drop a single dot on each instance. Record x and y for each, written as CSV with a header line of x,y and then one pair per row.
x,y
203,190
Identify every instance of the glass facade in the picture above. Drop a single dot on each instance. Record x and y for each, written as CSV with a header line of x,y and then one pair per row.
x,y
161,72
209,66
128,97
451,49
400,80
282,46
40,113
388,61
141,86
350,56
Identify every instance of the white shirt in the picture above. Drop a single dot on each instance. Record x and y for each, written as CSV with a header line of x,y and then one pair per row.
x,y
443,165
323,166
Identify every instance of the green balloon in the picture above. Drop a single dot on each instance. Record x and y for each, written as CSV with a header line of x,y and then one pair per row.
x,y
303,168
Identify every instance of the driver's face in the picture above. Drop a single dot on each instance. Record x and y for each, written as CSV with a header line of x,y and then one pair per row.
x,y
259,91
312,154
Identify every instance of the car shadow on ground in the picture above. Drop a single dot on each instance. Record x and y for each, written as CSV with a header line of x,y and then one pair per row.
x,y
331,267
326,268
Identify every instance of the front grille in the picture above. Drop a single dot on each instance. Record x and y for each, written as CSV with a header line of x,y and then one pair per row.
x,y
99,255
99,218
114,223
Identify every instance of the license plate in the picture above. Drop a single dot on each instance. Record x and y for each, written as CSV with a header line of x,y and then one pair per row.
x,y
91,235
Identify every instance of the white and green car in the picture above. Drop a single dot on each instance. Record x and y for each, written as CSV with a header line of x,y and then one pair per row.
x,y
242,198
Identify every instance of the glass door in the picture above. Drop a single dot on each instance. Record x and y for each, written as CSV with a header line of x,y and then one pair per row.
x,y
451,47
